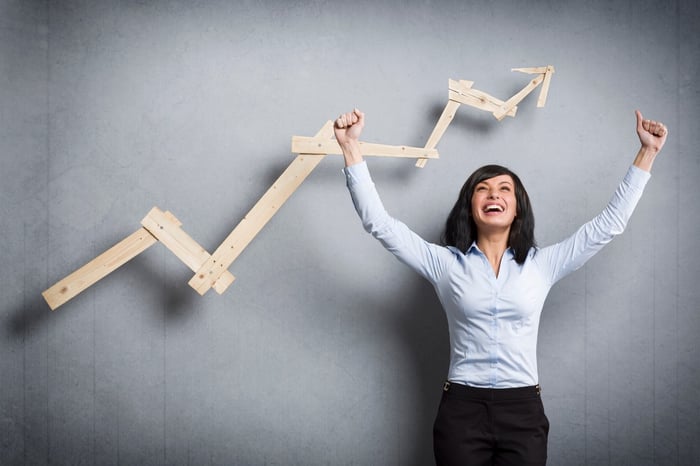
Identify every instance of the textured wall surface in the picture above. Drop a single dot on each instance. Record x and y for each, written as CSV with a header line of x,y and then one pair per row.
x,y
326,350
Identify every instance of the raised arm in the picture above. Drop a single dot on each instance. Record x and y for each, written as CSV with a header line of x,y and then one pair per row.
x,y
572,253
429,260
652,135
348,128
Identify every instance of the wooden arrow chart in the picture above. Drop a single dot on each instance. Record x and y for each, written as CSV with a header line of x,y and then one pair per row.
x,y
211,270
461,92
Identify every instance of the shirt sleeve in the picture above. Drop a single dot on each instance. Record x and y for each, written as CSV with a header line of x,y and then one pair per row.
x,y
428,259
569,255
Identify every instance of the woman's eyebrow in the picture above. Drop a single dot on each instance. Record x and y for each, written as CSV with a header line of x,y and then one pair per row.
x,y
486,183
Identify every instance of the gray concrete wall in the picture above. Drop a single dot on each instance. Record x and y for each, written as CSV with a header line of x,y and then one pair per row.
x,y
326,350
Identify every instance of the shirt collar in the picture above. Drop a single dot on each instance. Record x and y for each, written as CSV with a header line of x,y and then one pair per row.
x,y
475,249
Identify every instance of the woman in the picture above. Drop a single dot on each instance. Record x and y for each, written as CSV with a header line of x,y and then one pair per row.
x,y
492,282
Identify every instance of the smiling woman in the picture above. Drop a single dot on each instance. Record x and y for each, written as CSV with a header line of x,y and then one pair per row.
x,y
492,282
488,188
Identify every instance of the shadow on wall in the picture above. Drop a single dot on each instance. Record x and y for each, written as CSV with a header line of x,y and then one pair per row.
x,y
418,326
28,318
422,328
176,302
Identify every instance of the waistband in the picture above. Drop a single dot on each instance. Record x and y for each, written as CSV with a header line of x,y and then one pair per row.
x,y
491,394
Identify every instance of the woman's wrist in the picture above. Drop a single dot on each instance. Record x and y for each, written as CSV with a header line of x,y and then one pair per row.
x,y
645,158
351,152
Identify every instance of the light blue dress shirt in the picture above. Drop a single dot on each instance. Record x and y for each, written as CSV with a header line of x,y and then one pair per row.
x,y
493,321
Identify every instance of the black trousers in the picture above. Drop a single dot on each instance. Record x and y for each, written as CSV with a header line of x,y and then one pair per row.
x,y
483,426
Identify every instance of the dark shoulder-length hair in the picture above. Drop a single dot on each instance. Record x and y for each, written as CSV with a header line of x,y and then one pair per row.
x,y
460,229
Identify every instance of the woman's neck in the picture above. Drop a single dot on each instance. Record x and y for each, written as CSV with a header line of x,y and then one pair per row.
x,y
493,246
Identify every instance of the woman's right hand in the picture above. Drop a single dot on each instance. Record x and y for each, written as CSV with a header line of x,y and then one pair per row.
x,y
347,128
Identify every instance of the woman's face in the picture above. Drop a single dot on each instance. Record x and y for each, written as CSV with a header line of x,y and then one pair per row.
x,y
494,205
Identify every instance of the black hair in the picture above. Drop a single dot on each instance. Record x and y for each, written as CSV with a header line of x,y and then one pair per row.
x,y
460,228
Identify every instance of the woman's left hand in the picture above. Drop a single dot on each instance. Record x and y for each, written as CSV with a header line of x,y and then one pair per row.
x,y
652,134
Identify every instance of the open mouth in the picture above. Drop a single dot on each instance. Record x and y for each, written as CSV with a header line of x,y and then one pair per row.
x,y
493,208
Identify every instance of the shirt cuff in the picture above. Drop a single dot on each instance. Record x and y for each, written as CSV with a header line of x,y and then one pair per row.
x,y
357,174
636,177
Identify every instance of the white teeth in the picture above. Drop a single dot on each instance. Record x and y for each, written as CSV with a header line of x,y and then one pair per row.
x,y
493,207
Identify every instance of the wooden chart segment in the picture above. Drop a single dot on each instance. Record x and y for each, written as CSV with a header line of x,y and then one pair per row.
x,y
318,146
542,99
547,71
533,70
208,274
461,92
445,119
98,268
513,101
186,249
480,100
212,270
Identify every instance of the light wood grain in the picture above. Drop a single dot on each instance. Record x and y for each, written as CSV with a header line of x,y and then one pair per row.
x,y
501,112
98,268
295,174
168,232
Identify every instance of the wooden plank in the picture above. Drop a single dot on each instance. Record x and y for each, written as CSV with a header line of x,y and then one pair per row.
x,y
223,282
474,99
207,275
459,86
169,215
175,239
98,268
533,70
513,101
542,100
317,146
462,92
295,174
481,100
168,231
445,119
